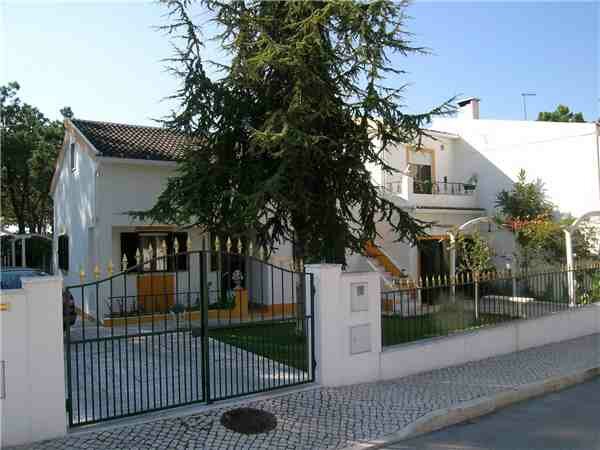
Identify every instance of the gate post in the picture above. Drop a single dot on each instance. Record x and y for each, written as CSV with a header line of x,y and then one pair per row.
x,y
204,328
32,379
347,325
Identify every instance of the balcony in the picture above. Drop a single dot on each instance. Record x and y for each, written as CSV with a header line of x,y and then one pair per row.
x,y
434,194
443,188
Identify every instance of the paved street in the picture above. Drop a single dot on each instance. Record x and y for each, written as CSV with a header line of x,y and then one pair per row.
x,y
566,420
323,418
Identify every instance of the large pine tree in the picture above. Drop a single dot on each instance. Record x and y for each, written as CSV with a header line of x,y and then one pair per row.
x,y
280,140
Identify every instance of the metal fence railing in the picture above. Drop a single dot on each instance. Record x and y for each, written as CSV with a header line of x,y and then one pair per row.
x,y
184,327
440,306
443,188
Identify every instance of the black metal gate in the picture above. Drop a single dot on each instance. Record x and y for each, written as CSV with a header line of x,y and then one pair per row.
x,y
177,328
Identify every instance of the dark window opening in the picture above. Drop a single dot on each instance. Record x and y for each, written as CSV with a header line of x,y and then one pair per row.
x,y
63,252
422,181
72,157
147,246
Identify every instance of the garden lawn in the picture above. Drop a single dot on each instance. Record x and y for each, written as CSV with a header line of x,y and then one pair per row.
x,y
276,340
398,330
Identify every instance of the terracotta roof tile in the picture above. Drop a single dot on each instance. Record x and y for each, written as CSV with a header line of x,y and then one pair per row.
x,y
119,140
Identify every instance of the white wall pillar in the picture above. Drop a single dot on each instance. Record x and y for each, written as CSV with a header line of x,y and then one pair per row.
x,y
32,350
570,276
347,325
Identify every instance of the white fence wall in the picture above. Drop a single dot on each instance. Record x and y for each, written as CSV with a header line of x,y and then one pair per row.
x,y
348,341
407,359
33,386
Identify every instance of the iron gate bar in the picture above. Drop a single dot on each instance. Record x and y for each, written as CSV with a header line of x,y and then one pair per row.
x,y
161,350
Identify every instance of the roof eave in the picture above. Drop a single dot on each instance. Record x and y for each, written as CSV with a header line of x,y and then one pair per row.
x,y
138,161
69,125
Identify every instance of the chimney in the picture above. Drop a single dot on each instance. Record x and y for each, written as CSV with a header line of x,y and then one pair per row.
x,y
468,108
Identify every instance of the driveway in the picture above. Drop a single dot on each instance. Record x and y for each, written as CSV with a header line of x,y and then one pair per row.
x,y
566,420
147,371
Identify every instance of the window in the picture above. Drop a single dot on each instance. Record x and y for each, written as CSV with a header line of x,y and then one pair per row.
x,y
63,252
148,244
422,182
72,157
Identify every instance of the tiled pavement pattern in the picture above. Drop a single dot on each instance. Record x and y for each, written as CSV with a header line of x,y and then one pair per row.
x,y
123,376
337,417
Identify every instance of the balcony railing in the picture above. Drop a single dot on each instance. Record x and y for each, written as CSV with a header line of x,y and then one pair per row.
x,y
443,188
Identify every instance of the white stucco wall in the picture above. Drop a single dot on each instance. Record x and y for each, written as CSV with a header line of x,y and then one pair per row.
x,y
31,347
74,206
125,187
347,332
563,155
429,354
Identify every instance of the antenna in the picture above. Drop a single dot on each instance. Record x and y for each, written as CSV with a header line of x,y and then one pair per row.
x,y
525,95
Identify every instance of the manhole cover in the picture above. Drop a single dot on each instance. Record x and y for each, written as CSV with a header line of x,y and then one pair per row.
x,y
248,420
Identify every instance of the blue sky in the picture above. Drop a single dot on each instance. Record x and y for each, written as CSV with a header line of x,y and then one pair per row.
x,y
104,58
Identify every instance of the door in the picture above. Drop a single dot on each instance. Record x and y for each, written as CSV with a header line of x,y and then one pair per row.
x,y
156,292
156,284
433,258
433,262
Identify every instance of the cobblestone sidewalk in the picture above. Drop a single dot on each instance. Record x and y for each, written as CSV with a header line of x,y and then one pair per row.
x,y
322,418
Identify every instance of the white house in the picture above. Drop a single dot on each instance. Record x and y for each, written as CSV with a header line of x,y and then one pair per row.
x,y
466,161
106,170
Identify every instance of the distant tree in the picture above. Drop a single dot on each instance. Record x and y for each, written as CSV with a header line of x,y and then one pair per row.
x,y
30,144
562,113
281,142
66,112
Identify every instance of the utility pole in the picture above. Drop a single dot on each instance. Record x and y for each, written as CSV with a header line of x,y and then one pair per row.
x,y
524,95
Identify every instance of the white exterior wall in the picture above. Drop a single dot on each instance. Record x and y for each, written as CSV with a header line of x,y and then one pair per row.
x,y
75,207
32,349
563,155
125,187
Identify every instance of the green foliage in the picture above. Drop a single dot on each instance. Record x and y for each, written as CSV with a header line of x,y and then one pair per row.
x,y
556,290
30,145
592,294
279,144
539,233
474,253
525,201
562,113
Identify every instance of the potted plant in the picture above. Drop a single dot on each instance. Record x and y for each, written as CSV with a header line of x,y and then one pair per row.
x,y
471,184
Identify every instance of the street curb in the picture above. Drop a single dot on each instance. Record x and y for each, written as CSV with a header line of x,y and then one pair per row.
x,y
462,412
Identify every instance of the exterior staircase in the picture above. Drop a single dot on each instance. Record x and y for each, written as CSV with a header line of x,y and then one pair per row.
x,y
391,275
